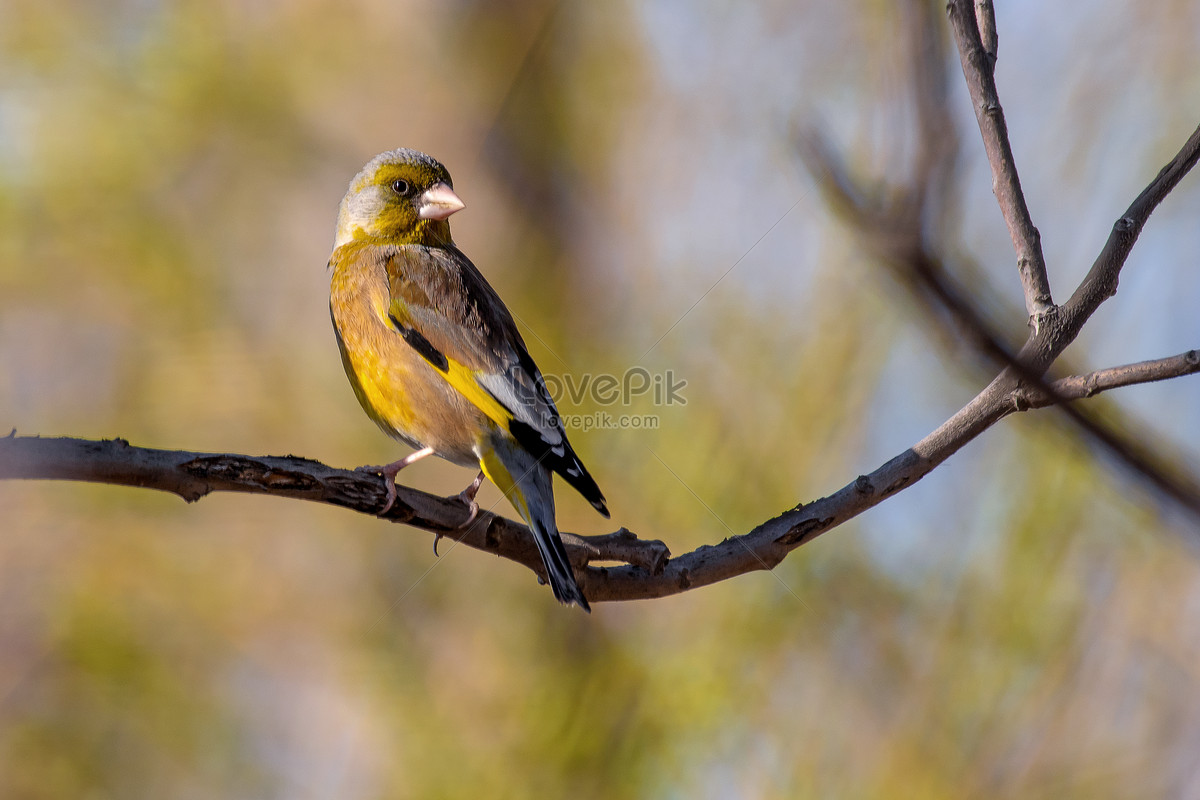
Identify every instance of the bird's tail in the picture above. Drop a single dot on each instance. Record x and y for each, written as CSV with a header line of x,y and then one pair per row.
x,y
527,485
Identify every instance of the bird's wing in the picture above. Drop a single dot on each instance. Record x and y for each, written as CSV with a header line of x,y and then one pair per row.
x,y
448,313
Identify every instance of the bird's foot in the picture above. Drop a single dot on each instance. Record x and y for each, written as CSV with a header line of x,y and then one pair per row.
x,y
390,471
467,496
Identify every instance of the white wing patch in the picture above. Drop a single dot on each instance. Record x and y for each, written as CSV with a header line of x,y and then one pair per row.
x,y
530,404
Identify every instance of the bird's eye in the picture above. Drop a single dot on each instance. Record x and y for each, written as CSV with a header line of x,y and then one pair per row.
x,y
400,187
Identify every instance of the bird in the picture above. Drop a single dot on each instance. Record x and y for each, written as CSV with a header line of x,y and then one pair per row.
x,y
435,358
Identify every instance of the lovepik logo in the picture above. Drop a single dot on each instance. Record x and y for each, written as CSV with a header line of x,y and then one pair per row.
x,y
606,389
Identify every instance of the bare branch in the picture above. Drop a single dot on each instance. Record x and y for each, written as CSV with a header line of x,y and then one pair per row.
x,y
978,64
985,16
1080,386
649,570
1101,281
194,475
896,229
1061,328
896,239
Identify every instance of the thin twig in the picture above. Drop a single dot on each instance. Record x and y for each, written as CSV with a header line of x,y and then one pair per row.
x,y
985,17
978,66
1077,387
1101,281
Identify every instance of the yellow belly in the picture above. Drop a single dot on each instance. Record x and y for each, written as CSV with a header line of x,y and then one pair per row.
x,y
397,388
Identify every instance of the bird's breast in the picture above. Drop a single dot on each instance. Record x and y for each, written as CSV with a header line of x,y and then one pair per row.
x,y
397,388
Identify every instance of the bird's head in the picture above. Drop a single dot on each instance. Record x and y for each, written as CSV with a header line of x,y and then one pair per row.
x,y
400,197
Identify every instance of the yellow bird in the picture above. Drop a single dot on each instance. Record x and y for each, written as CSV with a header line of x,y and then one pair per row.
x,y
435,357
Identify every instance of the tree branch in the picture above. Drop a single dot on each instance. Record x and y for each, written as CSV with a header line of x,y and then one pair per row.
x,y
1101,281
985,16
895,236
194,475
648,570
1092,384
1046,344
978,64
897,232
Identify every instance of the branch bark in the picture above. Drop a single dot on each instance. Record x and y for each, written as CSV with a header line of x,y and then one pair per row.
x,y
648,570
979,65
1101,281
1079,386
193,475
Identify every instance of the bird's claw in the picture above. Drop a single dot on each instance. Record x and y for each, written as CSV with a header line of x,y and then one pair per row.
x,y
391,494
472,506
390,471
467,496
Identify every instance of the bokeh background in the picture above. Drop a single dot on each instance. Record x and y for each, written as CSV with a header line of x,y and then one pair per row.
x,y
1024,621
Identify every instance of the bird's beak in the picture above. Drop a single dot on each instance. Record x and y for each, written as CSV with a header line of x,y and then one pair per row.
x,y
438,202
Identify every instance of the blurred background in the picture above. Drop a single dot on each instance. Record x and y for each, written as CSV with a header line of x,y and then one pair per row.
x,y
1022,621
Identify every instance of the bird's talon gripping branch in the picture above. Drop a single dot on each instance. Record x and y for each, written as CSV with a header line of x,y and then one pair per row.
x,y
467,495
389,473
